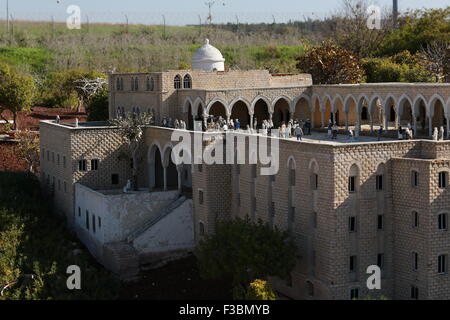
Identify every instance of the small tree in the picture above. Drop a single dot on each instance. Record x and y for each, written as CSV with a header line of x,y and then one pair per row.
x,y
97,109
131,128
28,149
260,290
244,251
330,64
16,94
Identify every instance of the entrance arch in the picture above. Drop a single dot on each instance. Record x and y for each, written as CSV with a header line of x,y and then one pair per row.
x,y
240,110
302,109
171,176
281,112
218,109
261,110
156,172
437,113
390,113
405,113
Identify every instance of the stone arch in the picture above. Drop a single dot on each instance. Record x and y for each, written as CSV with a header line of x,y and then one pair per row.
x,y
217,108
327,111
261,107
354,173
405,110
156,170
376,113
281,108
436,109
240,109
338,110
187,110
420,114
351,112
363,109
390,111
171,171
316,108
302,108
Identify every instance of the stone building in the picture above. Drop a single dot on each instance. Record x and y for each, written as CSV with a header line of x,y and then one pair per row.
x,y
348,205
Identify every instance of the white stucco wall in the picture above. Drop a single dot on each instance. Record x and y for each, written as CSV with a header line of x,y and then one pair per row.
x,y
120,213
173,232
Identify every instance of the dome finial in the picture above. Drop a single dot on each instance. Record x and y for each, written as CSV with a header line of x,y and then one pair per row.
x,y
206,41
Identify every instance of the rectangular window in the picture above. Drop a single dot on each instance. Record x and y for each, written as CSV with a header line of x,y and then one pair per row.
x,y
48,155
79,211
415,261
415,179
99,222
200,196
352,184
442,264
442,222
115,179
94,164
87,220
352,224
415,219
93,224
414,293
58,159
443,178
380,222
354,294
315,181
64,162
352,264
380,260
380,185
82,165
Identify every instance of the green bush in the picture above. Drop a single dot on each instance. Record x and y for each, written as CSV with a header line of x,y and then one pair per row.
x,y
34,241
402,67
260,290
97,109
245,251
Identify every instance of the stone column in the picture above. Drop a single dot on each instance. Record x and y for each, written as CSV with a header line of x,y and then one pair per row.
x,y
180,172
430,126
165,178
251,121
322,118
414,125
312,120
371,122
447,134
346,121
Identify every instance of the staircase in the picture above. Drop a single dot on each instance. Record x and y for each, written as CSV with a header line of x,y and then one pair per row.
x,y
145,226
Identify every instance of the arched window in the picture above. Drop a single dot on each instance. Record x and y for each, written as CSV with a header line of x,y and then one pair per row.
x,y
414,179
121,83
136,84
201,229
177,82
187,82
118,84
291,166
364,114
132,84
150,84
443,179
415,219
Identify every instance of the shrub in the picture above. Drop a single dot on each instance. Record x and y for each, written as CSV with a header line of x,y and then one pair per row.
x,y
260,290
330,64
245,251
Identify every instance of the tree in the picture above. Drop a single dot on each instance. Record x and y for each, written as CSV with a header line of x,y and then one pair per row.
x,y
418,29
352,32
131,128
438,55
28,149
330,64
97,109
260,290
245,251
16,94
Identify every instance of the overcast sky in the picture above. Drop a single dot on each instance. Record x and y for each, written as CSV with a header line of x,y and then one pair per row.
x,y
181,12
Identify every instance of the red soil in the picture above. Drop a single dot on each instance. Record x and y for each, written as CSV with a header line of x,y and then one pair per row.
x,y
30,120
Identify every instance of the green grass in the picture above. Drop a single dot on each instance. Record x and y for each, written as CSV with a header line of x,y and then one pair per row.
x,y
37,60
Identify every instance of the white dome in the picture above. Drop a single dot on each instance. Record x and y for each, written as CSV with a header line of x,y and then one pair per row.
x,y
208,58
